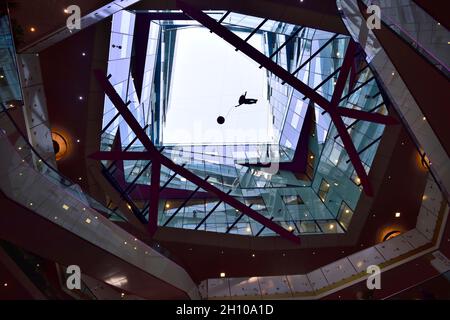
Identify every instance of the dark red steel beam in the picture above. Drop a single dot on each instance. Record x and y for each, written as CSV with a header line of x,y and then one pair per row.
x,y
253,53
156,156
120,155
339,123
343,74
290,79
367,116
154,196
125,112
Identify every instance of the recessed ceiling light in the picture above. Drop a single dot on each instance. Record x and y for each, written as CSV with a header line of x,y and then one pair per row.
x,y
65,207
167,205
397,214
331,227
5,284
248,229
222,274
253,255
88,220
32,29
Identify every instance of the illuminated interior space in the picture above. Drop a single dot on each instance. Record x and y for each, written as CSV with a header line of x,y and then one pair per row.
x,y
210,150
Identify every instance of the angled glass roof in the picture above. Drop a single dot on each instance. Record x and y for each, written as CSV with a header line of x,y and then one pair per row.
x,y
184,64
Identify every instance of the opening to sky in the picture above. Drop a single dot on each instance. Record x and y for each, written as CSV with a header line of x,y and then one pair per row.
x,y
208,78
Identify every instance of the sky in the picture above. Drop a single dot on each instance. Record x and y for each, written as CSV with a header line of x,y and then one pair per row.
x,y
208,78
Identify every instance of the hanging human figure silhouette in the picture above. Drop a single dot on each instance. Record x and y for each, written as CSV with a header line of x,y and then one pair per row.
x,y
243,100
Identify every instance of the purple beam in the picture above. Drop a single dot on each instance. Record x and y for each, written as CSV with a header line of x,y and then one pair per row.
x,y
339,123
126,114
343,74
253,53
294,82
352,154
120,155
367,116
155,155
154,197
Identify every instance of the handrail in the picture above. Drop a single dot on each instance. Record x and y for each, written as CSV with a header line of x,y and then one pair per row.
x,y
65,181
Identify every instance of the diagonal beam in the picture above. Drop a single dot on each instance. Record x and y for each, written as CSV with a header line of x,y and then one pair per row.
x,y
154,197
120,155
352,153
367,116
253,53
154,155
343,74
339,123
293,81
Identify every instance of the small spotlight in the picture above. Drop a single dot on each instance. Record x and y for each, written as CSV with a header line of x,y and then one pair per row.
x,y
397,214
167,205
88,220
32,29
222,274
80,98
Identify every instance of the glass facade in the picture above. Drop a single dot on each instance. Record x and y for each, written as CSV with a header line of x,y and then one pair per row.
x,y
322,201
